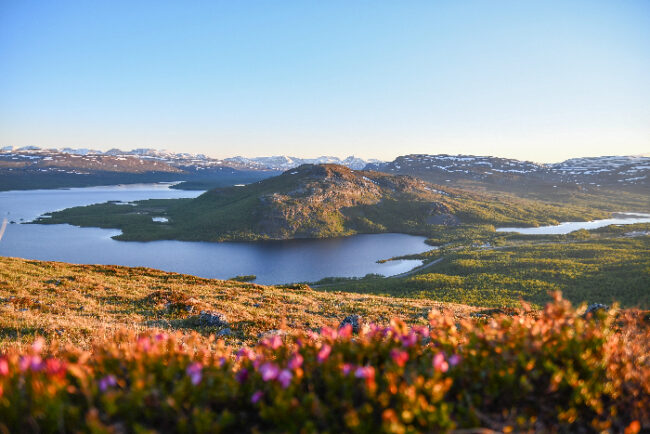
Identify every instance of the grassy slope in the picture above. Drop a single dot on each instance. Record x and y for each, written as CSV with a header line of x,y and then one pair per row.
x,y
75,302
299,204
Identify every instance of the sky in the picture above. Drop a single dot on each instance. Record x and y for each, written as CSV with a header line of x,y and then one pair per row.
x,y
537,80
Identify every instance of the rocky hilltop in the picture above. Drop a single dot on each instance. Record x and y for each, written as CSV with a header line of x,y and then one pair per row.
x,y
313,201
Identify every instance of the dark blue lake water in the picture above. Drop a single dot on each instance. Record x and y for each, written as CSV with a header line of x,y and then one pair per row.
x,y
272,262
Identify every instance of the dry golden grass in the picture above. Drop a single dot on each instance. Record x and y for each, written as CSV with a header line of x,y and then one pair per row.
x,y
79,303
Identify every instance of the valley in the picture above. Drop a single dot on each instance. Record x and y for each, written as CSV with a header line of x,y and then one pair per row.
x,y
373,283
316,201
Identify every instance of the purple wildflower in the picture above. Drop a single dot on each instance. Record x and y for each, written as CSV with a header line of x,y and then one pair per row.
x,y
106,382
365,372
257,396
269,371
194,371
295,362
285,378
242,375
409,340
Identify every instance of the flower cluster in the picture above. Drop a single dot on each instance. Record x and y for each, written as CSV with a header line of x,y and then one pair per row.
x,y
551,370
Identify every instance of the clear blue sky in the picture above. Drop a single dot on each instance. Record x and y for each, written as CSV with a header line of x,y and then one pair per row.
x,y
541,80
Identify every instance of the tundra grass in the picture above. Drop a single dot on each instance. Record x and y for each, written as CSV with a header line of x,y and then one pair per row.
x,y
75,303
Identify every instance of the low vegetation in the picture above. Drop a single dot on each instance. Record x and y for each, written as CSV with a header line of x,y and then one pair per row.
x,y
548,371
487,268
77,303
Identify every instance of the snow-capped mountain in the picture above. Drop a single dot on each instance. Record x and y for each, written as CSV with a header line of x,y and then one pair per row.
x,y
282,162
608,171
591,171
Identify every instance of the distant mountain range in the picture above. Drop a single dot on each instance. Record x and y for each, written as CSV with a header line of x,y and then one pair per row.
x,y
285,163
32,167
182,160
610,171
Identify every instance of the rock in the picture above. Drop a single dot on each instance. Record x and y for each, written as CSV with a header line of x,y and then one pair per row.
x,y
445,219
592,308
224,332
271,333
212,319
354,320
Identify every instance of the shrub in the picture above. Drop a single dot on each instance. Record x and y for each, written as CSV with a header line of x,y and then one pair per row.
x,y
550,370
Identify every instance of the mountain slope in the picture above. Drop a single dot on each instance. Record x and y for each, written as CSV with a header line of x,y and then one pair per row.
x,y
29,168
609,183
314,201
593,171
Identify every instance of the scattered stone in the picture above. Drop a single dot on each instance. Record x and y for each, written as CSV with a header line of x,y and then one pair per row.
x,y
354,320
224,332
212,319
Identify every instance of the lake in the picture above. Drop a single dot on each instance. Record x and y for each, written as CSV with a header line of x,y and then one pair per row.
x,y
567,227
272,261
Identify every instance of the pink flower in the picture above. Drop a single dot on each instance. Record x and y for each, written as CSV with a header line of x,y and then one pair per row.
x,y
324,353
242,375
454,359
328,333
347,368
246,353
269,371
439,363
38,345
106,382
345,331
295,362
257,396
23,363
409,340
161,337
55,367
365,372
4,367
194,371
285,378
144,343
422,331
274,342
399,356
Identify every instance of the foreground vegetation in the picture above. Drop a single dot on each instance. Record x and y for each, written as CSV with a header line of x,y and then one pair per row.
x,y
549,371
